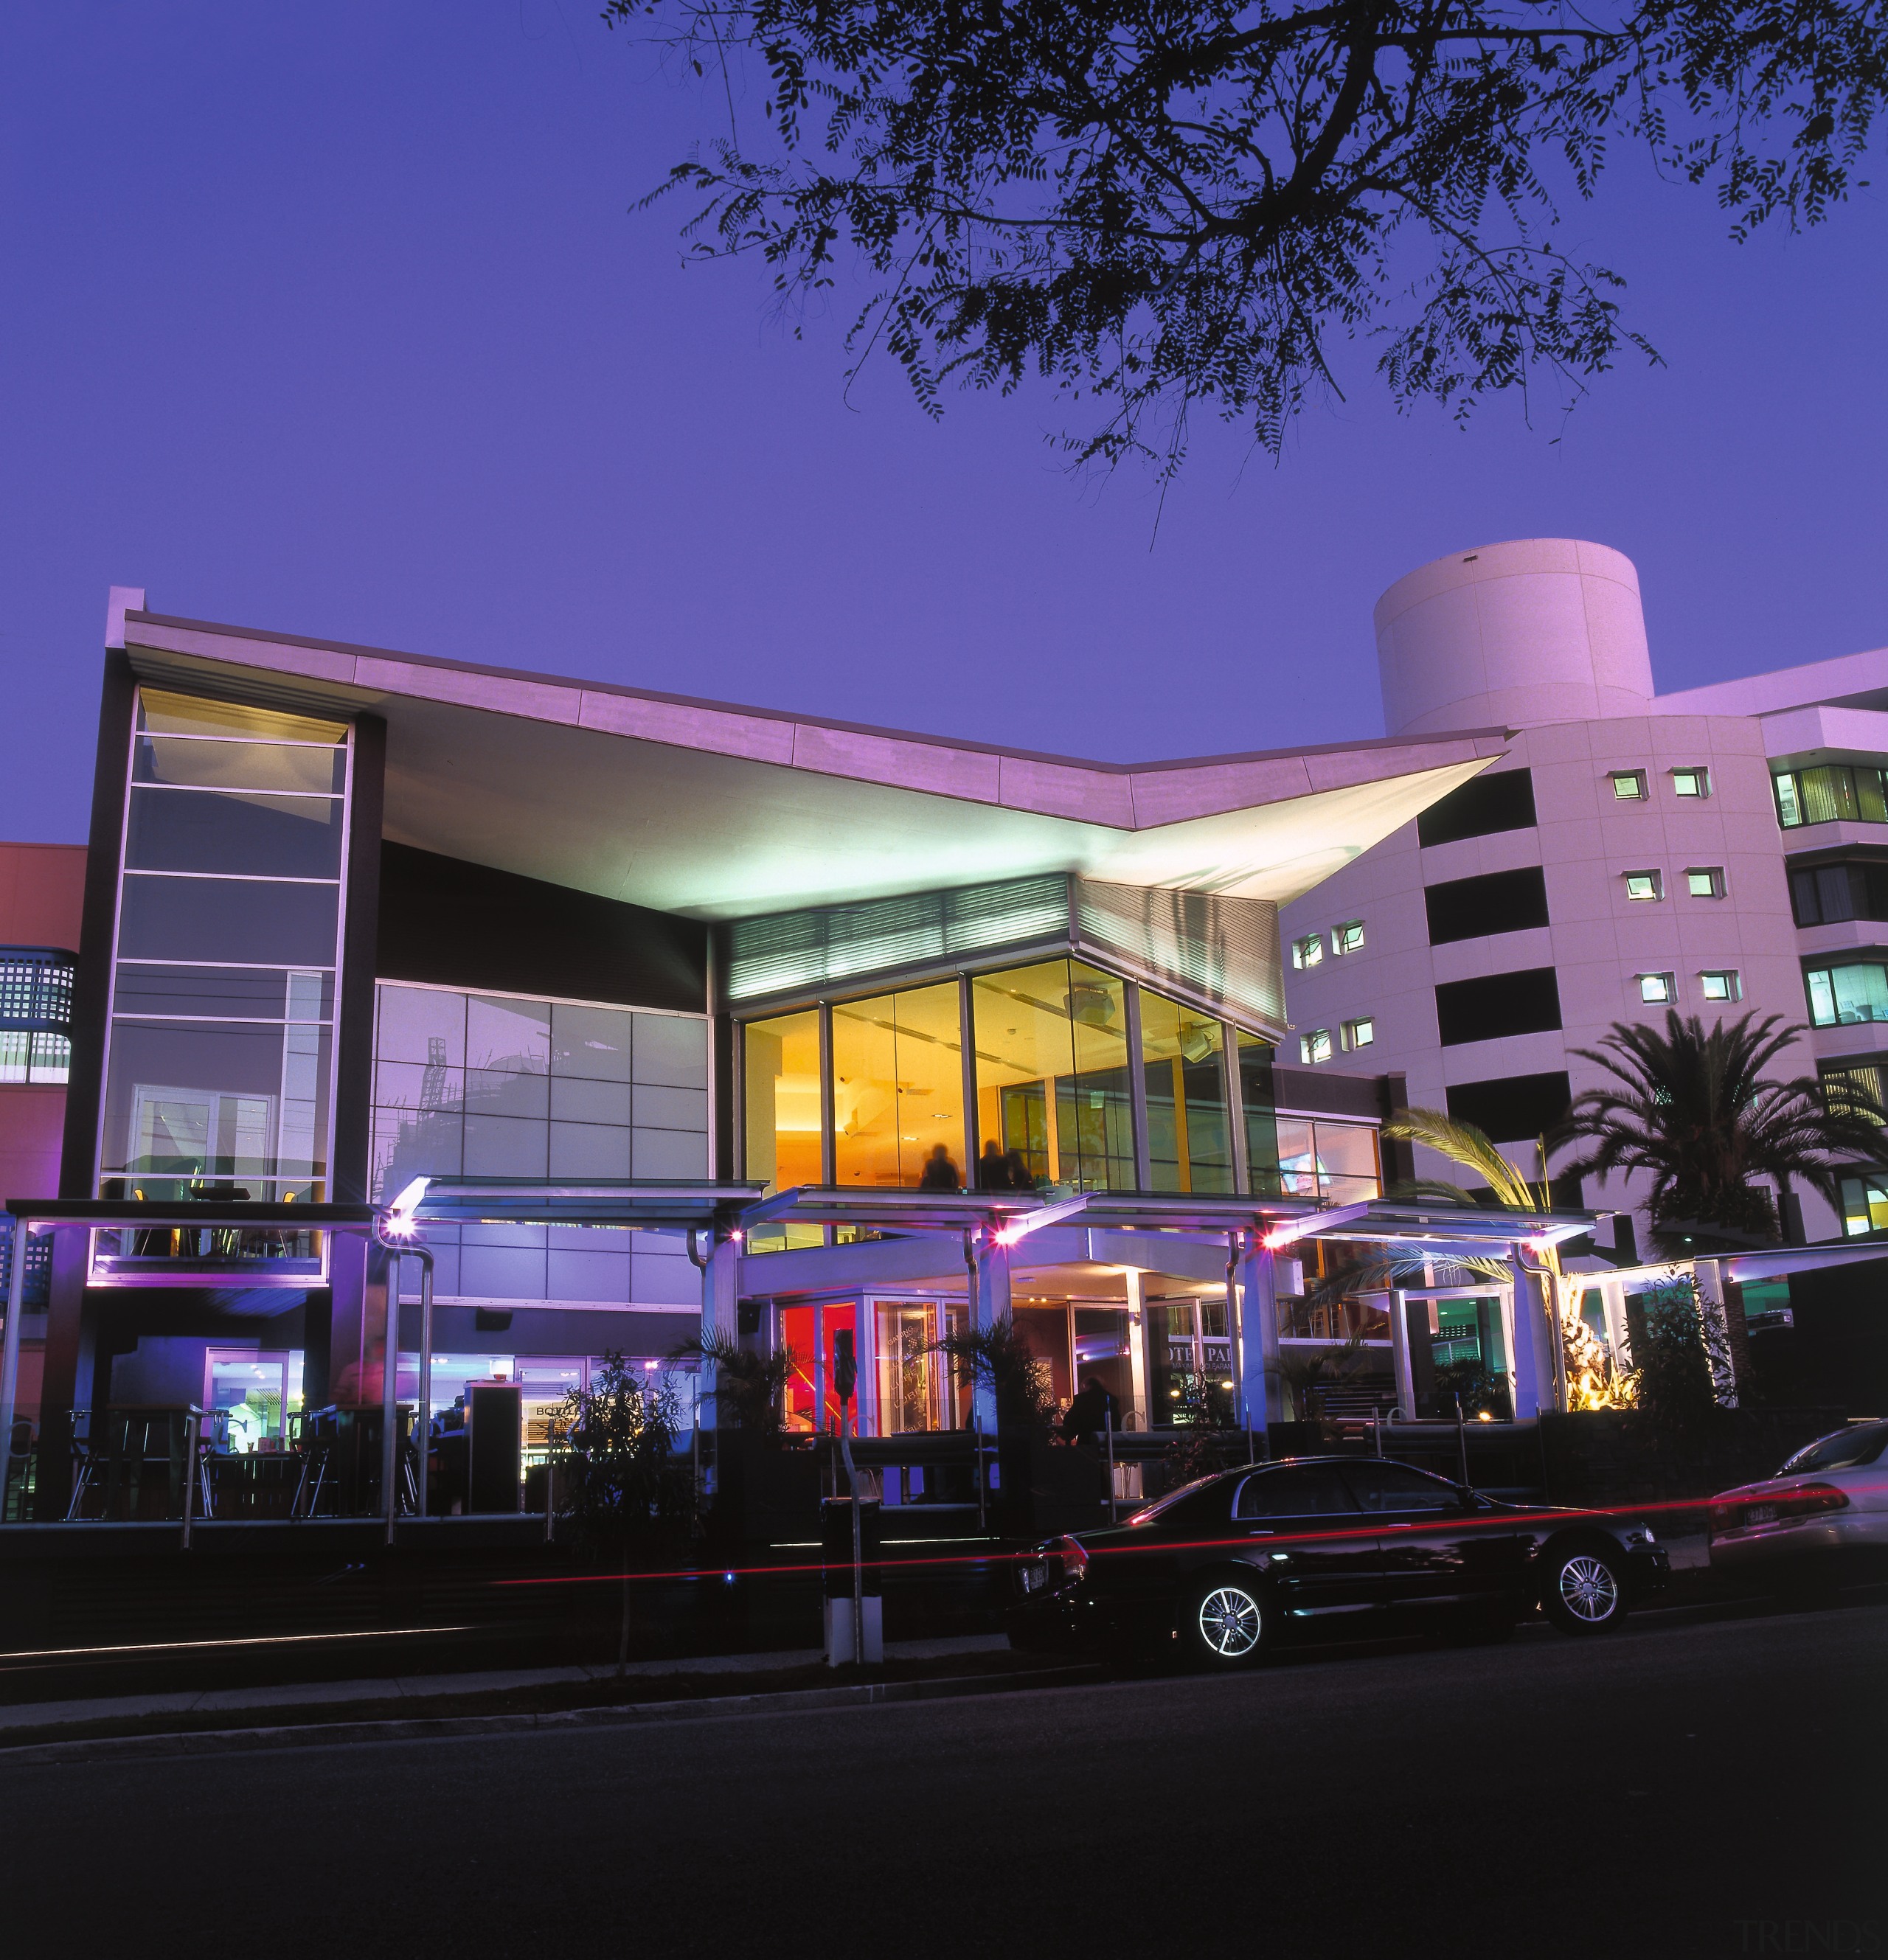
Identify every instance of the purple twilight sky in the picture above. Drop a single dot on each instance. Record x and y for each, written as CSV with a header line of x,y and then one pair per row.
x,y
335,319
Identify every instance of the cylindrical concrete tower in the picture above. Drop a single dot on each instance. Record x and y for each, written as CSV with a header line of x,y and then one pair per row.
x,y
1542,629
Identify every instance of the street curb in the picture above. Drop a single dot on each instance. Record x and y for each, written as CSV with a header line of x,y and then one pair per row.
x,y
419,1728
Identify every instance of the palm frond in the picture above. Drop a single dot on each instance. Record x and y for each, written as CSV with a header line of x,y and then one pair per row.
x,y
1472,1148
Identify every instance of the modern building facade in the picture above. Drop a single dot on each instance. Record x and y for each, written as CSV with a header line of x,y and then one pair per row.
x,y
644,1013
1717,851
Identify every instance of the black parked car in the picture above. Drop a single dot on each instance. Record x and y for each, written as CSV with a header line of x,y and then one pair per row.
x,y
1230,1565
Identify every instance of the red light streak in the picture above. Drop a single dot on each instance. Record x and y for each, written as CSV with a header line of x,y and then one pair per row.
x,y
1480,1523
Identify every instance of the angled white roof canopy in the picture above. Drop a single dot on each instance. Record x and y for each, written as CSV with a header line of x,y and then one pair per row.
x,y
715,812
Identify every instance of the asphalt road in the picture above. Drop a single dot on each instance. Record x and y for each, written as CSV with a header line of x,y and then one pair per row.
x,y
1714,1789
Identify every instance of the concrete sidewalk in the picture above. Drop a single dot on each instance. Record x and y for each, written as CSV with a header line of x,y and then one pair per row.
x,y
417,1690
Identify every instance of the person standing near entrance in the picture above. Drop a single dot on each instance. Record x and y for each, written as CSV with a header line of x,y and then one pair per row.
x,y
1090,1413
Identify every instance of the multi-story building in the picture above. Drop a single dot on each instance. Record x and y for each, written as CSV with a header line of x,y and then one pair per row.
x,y
1720,851
648,1014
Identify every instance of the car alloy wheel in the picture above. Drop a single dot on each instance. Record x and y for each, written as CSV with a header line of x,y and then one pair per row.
x,y
1229,1623
1589,1592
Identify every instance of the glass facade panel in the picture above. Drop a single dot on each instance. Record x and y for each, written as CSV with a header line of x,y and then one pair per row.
x,y
898,1090
782,1092
1189,1133
915,1386
164,713
475,1085
232,835
227,922
222,992
226,1110
1052,1084
1258,1095
232,765
1335,1163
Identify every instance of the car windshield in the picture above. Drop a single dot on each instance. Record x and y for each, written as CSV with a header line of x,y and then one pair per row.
x,y
1174,1500
1843,1451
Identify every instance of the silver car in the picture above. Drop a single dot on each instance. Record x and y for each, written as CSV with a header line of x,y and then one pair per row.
x,y
1822,1518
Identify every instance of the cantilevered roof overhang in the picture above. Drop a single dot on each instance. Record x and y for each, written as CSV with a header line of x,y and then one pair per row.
x,y
714,812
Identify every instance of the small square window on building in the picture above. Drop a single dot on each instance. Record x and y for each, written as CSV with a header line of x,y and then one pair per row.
x,y
1706,881
1691,782
1359,1033
1658,986
1348,938
1308,951
1644,885
1628,785
1721,986
1316,1046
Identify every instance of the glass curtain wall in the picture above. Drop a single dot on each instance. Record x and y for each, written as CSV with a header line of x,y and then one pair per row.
x,y
220,1061
1053,1086
1189,1131
1053,1093
502,1086
898,1090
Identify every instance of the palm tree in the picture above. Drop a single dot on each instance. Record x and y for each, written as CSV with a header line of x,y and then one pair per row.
x,y
1692,1111
1592,1382
751,1388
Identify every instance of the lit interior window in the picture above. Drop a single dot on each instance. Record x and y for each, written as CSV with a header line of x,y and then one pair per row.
x,y
1724,986
1691,782
1348,938
1705,882
1655,987
1308,951
1316,1046
1643,885
1360,1033
1628,785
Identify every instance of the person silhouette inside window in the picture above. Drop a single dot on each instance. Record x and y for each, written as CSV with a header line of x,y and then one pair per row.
x,y
940,1173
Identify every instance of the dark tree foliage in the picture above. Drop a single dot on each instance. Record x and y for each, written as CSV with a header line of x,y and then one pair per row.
x,y
1694,1111
999,1360
1156,204
1676,1354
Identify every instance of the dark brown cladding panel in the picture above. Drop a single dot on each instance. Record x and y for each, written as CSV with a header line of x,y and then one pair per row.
x,y
452,923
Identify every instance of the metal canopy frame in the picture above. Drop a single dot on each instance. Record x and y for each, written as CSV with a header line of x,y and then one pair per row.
x,y
632,1203
1441,1230
894,1210
1168,1211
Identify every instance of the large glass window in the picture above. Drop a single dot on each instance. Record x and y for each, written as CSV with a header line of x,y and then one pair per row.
x,y
1052,1085
898,1090
1333,1163
1189,1132
220,1067
1830,793
1840,996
